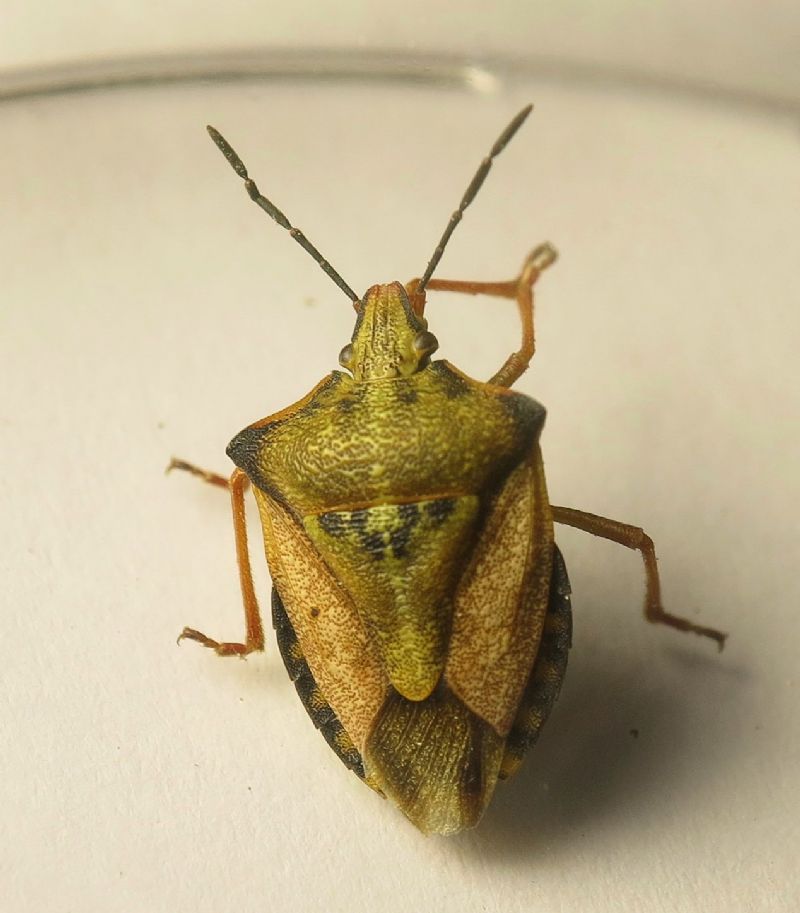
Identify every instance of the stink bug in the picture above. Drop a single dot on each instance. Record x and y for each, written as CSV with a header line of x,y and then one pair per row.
x,y
421,606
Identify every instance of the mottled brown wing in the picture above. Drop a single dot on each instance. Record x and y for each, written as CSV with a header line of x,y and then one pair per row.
x,y
317,707
340,654
547,674
502,600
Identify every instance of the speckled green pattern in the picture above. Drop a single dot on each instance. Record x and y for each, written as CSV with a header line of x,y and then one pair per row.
x,y
401,562
433,435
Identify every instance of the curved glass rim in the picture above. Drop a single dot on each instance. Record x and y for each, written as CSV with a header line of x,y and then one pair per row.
x,y
483,75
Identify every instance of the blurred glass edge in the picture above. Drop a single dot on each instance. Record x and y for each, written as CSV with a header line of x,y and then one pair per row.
x,y
485,75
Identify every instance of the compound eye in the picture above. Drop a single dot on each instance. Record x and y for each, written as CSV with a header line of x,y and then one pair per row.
x,y
425,343
346,356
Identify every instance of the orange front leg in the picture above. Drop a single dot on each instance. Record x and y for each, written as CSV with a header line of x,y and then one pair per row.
x,y
254,629
213,478
519,289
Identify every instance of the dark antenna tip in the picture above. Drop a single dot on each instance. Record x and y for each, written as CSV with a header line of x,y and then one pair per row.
x,y
227,150
469,194
515,124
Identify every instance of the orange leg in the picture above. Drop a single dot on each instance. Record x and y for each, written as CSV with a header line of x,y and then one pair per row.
x,y
520,289
635,538
254,636
213,478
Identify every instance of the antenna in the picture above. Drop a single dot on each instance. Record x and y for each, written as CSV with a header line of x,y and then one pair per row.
x,y
271,210
469,195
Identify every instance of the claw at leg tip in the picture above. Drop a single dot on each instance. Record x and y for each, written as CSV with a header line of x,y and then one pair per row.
x,y
542,256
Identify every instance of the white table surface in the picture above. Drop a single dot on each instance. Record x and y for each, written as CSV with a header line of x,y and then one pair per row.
x,y
149,310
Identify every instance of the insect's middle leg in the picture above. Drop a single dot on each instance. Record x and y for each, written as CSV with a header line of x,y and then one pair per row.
x,y
635,538
520,289
254,629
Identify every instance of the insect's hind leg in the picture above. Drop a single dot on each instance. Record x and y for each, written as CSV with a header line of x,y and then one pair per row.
x,y
519,289
635,538
254,629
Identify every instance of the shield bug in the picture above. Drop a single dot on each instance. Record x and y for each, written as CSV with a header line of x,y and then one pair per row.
x,y
421,606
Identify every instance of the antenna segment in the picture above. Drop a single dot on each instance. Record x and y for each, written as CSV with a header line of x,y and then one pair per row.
x,y
469,195
273,212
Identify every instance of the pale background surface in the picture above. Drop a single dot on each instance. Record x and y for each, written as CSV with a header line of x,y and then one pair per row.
x,y
150,310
